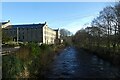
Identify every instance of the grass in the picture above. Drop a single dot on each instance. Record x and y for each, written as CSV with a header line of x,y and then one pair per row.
x,y
105,53
30,61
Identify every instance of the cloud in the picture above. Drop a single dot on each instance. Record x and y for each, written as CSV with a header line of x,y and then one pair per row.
x,y
79,24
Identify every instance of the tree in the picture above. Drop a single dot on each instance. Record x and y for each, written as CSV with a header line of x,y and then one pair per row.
x,y
108,16
103,30
5,38
117,11
81,38
66,36
65,33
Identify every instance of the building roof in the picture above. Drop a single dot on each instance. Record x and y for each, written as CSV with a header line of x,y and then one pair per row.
x,y
5,22
56,29
28,25
2,23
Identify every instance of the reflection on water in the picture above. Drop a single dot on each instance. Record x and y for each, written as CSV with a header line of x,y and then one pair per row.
x,y
73,64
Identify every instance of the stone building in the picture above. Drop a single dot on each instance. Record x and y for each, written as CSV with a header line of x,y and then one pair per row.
x,y
5,24
39,33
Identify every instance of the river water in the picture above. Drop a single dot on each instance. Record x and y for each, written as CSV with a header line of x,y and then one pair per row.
x,y
73,64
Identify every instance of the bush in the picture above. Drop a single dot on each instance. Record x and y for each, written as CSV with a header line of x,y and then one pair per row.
x,y
34,48
12,66
30,60
34,67
44,47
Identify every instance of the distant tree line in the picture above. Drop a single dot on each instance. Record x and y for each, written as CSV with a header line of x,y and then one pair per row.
x,y
66,36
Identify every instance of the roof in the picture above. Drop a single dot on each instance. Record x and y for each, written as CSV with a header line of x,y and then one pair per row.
x,y
28,25
3,23
56,29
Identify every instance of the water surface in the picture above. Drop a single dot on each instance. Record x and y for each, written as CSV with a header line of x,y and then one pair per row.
x,y
73,64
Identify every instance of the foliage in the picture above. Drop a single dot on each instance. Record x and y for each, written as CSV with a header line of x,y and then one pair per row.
x,y
103,34
12,66
6,38
30,61
34,66
44,47
64,33
34,48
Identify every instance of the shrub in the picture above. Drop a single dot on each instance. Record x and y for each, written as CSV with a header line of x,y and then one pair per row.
x,y
44,46
34,67
30,60
34,48
12,66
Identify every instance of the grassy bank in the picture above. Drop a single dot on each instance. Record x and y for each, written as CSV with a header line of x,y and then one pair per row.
x,y
104,53
30,61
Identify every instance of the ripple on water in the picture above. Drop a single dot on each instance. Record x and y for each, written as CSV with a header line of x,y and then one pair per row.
x,y
70,64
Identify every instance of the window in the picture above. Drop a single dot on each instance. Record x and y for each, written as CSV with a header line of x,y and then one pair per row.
x,y
23,37
14,32
35,28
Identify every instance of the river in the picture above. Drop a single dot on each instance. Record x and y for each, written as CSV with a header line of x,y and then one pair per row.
x,y
73,64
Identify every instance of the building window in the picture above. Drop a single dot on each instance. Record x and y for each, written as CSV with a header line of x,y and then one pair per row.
x,y
35,28
10,31
23,37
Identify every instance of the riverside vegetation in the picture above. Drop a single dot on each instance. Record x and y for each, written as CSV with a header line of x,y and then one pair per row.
x,y
103,37
30,61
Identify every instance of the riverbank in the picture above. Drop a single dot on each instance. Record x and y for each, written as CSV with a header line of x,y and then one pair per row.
x,y
30,61
113,58
74,64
